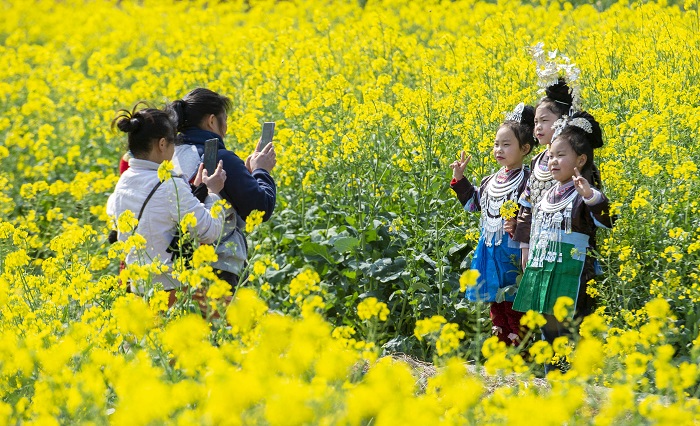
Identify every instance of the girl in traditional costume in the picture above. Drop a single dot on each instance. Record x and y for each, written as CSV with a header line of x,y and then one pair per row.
x,y
497,257
564,226
557,102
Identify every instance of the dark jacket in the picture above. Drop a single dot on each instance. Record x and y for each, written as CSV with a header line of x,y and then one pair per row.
x,y
244,190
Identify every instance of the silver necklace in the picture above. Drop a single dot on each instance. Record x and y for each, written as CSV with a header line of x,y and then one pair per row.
x,y
547,228
491,201
540,181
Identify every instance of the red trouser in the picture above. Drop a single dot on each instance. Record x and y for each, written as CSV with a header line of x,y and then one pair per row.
x,y
503,316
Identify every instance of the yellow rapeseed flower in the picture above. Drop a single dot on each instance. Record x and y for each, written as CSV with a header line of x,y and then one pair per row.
x,y
428,326
532,320
468,279
127,222
509,209
561,307
165,170
450,335
370,308
253,220
203,255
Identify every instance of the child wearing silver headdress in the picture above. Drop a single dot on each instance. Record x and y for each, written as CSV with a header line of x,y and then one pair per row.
x,y
556,104
497,257
561,99
564,227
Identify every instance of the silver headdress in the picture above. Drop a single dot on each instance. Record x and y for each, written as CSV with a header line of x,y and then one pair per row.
x,y
565,122
550,66
517,113
581,123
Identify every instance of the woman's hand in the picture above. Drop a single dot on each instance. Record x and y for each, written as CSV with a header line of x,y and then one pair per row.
x,y
581,184
215,182
265,159
459,166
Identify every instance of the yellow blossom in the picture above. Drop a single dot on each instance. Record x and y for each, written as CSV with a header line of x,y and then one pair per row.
x,y
165,170
253,220
468,279
370,308
561,307
509,209
532,320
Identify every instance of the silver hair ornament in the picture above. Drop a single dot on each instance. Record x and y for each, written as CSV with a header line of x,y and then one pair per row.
x,y
517,113
565,122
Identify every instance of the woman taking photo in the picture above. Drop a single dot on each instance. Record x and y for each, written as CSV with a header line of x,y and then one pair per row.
x,y
201,115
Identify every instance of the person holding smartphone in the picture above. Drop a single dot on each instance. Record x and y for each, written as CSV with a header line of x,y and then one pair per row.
x,y
201,115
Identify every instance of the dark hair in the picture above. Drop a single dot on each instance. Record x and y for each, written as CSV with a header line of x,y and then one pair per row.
x,y
144,127
197,105
523,129
558,98
583,142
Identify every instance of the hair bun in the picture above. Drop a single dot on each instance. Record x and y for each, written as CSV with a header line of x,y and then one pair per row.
x,y
560,92
129,124
176,111
527,122
527,118
595,138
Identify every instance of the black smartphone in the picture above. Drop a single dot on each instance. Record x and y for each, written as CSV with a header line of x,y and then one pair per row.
x,y
211,155
268,131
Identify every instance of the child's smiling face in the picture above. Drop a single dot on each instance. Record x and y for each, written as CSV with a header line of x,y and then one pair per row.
x,y
563,159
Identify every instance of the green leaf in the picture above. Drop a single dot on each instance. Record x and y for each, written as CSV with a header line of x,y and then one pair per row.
x,y
316,250
349,273
418,285
370,235
344,244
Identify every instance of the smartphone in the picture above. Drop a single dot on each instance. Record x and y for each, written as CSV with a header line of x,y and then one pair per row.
x,y
268,131
211,155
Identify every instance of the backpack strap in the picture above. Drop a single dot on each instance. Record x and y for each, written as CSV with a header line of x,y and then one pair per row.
x,y
153,191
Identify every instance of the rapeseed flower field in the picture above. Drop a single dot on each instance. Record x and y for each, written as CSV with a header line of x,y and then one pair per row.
x,y
365,253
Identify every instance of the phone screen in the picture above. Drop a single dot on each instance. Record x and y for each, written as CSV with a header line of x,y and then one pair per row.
x,y
211,155
268,132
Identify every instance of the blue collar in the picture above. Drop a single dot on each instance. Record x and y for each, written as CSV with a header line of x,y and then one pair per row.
x,y
197,136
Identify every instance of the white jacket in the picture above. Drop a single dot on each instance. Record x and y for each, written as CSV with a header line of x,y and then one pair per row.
x,y
158,224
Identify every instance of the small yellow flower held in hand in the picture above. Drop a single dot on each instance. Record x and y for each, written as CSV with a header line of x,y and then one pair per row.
x,y
468,279
509,209
164,170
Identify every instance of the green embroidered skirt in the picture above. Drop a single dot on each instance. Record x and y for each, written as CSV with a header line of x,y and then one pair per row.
x,y
541,286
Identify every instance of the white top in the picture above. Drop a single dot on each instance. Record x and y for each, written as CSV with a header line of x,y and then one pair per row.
x,y
158,224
